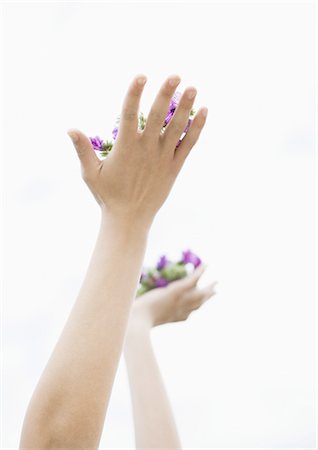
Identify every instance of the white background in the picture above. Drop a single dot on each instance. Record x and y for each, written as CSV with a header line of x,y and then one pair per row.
x,y
240,371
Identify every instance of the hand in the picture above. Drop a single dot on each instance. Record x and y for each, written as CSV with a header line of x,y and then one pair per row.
x,y
133,181
173,303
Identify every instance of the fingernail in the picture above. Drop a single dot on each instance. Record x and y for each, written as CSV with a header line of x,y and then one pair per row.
x,y
204,112
191,94
73,135
174,81
141,81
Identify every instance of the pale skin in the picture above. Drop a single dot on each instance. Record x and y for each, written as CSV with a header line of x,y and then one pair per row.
x,y
154,424
68,407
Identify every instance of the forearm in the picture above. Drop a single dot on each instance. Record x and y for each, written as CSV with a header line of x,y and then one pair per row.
x,y
69,404
153,418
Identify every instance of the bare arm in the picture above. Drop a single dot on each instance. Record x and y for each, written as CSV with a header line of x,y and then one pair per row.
x,y
69,404
153,418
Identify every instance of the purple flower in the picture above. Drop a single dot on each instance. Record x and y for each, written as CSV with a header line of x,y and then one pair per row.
x,y
115,132
168,117
189,257
161,282
188,125
172,106
185,131
175,100
163,261
97,142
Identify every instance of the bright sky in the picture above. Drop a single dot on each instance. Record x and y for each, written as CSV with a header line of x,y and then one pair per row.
x,y
240,371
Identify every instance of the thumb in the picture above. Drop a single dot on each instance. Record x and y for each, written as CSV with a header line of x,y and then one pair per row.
x,y
84,149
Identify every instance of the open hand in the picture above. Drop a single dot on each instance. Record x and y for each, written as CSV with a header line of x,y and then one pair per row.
x,y
172,303
133,181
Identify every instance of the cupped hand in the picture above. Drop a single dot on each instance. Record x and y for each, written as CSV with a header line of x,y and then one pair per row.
x,y
133,181
172,303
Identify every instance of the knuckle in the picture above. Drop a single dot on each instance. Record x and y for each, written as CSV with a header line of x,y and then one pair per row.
x,y
184,106
177,126
198,124
128,114
191,141
157,117
166,90
80,151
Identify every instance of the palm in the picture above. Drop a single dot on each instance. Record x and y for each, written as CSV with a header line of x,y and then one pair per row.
x,y
173,303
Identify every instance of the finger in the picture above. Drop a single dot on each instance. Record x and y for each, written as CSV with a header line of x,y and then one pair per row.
x,y
179,121
196,297
190,281
208,291
85,151
191,137
129,114
160,106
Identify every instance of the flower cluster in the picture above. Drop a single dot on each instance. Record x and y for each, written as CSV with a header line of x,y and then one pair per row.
x,y
105,147
167,271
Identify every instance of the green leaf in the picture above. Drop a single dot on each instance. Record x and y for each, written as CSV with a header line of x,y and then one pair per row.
x,y
142,290
142,121
106,148
174,271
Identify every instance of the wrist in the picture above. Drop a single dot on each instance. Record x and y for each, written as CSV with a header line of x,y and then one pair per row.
x,y
127,223
138,326
136,335
124,226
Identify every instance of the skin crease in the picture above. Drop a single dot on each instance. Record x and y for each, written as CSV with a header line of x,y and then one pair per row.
x,y
153,418
68,406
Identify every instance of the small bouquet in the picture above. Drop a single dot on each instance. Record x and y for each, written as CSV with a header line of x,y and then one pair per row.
x,y
103,148
165,271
